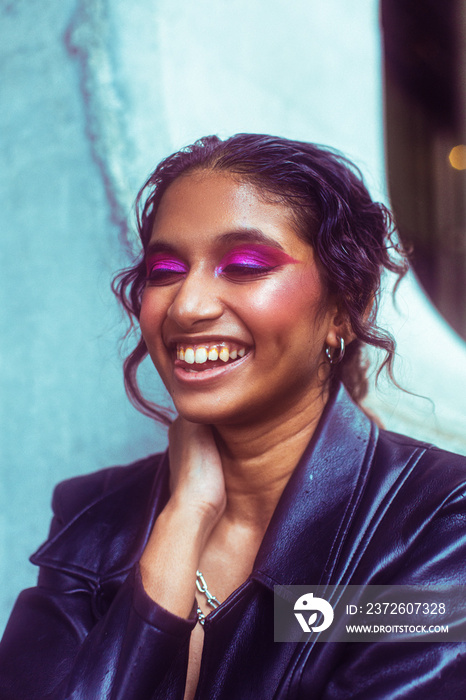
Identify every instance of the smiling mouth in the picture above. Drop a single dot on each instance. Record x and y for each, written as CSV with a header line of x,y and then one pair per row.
x,y
199,358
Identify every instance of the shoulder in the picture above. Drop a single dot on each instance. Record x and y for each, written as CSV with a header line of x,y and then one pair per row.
x,y
421,480
78,493
413,511
434,469
102,520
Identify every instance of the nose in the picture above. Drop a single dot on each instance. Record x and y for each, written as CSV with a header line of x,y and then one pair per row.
x,y
196,301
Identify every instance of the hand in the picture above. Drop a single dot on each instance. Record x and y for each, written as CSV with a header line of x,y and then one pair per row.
x,y
196,475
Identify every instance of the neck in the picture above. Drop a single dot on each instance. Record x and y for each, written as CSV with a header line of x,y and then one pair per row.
x,y
259,459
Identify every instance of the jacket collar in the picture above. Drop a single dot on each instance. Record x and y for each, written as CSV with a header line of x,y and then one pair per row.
x,y
301,545
315,511
106,538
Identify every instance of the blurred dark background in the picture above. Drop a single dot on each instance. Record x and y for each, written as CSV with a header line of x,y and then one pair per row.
x,y
425,125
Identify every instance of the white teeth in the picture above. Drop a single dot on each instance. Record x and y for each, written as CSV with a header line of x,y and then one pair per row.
x,y
200,355
189,356
224,354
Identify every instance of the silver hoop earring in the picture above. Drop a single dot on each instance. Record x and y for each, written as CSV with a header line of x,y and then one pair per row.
x,y
338,355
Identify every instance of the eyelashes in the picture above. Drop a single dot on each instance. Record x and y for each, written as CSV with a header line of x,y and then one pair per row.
x,y
244,269
166,274
254,260
165,270
247,263
242,264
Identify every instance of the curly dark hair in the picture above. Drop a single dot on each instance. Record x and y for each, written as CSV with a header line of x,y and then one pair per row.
x,y
353,237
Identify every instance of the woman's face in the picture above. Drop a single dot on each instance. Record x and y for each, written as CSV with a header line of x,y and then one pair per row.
x,y
234,313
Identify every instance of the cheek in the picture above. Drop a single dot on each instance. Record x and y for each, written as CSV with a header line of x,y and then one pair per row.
x,y
150,317
288,302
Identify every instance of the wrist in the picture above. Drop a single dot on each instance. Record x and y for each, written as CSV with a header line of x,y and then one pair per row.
x,y
197,513
169,562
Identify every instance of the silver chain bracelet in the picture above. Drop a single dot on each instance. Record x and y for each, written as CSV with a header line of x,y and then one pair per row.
x,y
211,599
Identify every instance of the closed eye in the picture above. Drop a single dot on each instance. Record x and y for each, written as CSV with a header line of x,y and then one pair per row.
x,y
248,262
165,271
242,270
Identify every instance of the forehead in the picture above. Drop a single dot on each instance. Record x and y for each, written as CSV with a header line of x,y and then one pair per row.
x,y
206,205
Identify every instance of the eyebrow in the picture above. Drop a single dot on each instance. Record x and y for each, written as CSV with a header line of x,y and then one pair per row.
x,y
158,247
249,235
240,235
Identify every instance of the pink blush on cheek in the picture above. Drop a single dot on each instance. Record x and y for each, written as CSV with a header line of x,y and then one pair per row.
x,y
277,301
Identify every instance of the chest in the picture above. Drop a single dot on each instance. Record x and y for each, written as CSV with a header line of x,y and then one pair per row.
x,y
224,576
235,655
194,663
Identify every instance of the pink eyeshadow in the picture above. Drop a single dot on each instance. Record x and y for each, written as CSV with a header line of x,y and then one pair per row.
x,y
262,256
163,263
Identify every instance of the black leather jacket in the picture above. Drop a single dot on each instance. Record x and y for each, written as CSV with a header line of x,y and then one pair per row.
x,y
362,506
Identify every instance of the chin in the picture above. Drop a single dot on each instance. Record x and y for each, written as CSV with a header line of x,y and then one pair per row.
x,y
199,415
199,410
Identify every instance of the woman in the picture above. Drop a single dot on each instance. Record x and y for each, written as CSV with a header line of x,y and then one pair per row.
x,y
255,295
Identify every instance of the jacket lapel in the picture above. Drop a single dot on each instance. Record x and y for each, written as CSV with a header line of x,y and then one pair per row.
x,y
315,511
107,536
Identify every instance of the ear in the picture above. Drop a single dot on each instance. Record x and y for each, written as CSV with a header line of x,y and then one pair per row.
x,y
339,327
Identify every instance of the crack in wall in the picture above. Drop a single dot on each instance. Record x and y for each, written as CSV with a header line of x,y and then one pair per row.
x,y
87,38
